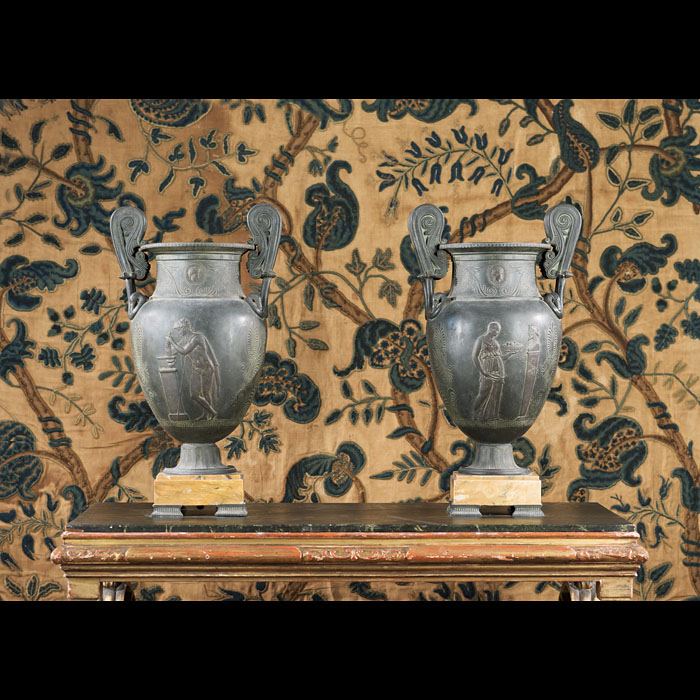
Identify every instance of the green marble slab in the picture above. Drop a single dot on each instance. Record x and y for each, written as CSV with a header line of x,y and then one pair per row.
x,y
348,517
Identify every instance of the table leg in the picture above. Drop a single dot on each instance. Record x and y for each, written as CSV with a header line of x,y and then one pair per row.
x,y
115,591
578,591
618,588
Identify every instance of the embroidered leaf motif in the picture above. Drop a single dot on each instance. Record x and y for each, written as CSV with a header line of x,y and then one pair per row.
x,y
579,149
19,471
13,354
337,469
20,276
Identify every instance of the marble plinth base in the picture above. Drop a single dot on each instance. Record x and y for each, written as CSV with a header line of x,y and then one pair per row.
x,y
173,491
471,495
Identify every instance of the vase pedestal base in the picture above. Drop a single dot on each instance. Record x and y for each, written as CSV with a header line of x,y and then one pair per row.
x,y
475,495
172,492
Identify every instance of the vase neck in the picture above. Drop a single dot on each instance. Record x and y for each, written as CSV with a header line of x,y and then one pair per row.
x,y
189,274
490,271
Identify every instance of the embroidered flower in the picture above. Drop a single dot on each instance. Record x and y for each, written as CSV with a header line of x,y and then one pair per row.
x,y
82,205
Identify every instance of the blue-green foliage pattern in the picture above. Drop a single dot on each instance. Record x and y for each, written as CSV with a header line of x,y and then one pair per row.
x,y
346,408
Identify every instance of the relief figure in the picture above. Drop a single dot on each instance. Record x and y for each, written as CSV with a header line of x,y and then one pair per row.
x,y
496,275
496,283
200,367
489,356
531,364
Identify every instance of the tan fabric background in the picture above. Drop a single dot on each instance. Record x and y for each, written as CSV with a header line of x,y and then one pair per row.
x,y
623,418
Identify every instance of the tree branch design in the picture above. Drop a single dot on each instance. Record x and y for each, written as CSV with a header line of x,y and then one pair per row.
x,y
602,317
304,129
66,455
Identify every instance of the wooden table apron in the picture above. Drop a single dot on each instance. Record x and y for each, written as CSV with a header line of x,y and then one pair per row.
x,y
120,542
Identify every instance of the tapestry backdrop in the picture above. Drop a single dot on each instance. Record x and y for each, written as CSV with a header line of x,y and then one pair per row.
x,y
346,409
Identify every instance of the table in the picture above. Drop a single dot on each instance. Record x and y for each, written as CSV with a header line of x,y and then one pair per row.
x,y
593,552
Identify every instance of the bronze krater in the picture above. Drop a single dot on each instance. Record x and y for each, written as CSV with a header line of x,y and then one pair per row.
x,y
494,341
198,343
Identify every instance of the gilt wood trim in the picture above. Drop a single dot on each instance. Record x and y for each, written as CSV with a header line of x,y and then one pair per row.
x,y
602,548
318,557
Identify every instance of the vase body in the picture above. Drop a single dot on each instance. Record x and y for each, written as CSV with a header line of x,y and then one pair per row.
x,y
198,348
494,347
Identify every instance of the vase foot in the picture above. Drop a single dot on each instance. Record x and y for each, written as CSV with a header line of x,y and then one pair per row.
x,y
201,459
237,510
478,511
528,512
464,511
494,460
169,511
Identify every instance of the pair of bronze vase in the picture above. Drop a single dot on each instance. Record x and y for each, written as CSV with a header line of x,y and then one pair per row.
x,y
199,345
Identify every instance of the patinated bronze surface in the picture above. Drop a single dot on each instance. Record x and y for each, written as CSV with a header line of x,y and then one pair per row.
x,y
494,340
198,342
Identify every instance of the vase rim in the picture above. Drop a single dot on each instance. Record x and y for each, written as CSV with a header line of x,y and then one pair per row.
x,y
501,245
197,247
